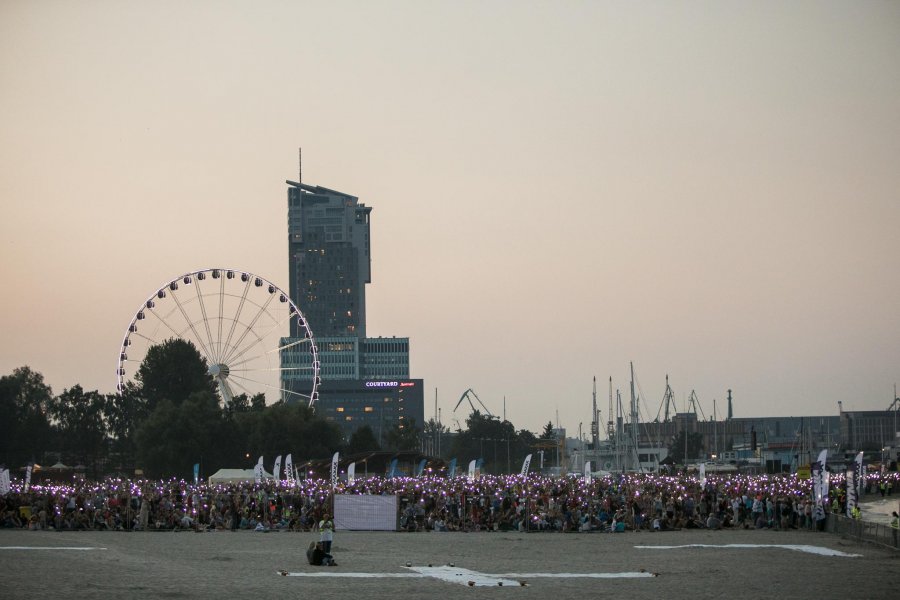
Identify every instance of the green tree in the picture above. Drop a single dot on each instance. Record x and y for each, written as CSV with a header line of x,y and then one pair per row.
x,y
403,436
231,448
124,413
694,447
239,404
527,439
432,427
258,402
528,442
288,428
549,432
25,431
173,371
493,440
362,440
433,435
79,419
175,436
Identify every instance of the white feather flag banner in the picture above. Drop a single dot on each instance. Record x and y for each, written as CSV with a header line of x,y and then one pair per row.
x,y
258,470
289,468
4,482
526,464
334,468
820,479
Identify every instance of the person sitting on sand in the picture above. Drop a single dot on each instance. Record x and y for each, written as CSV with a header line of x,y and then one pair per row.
x,y
318,557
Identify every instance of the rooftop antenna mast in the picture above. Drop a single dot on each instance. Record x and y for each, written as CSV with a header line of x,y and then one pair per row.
x,y
299,165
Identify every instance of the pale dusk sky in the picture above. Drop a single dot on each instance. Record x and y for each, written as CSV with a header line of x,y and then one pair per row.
x,y
708,189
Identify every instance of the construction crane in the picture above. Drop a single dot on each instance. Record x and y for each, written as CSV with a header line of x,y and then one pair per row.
x,y
468,395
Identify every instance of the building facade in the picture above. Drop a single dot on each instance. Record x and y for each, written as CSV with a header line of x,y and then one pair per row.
x,y
775,444
746,437
364,381
870,429
329,260
379,404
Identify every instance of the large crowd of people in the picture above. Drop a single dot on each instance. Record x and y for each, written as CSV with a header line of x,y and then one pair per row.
x,y
534,502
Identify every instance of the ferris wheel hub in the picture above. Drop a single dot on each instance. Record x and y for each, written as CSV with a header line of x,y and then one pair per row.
x,y
220,371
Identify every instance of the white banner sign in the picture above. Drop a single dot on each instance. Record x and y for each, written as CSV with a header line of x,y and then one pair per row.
x,y
276,472
4,482
351,473
366,512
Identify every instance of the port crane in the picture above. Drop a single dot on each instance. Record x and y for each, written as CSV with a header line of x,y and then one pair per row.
x,y
468,395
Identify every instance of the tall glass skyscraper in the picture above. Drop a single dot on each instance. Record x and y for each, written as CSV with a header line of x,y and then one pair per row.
x,y
365,381
329,260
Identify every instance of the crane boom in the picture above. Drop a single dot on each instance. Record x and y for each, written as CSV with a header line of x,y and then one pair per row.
x,y
467,395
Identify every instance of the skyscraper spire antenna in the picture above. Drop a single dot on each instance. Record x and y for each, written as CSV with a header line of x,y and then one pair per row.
x,y
299,165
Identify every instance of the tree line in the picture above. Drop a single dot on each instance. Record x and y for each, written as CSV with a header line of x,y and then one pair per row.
x,y
171,417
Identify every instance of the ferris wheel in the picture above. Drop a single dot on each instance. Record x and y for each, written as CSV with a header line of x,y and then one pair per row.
x,y
252,336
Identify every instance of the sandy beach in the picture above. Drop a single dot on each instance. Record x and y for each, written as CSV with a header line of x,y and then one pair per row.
x,y
876,509
373,565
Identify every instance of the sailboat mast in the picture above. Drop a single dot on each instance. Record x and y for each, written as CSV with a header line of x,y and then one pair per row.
x,y
619,431
715,430
595,422
633,406
610,425
634,422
